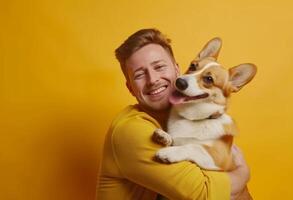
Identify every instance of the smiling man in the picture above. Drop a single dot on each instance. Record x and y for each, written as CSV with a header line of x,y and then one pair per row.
x,y
128,170
151,71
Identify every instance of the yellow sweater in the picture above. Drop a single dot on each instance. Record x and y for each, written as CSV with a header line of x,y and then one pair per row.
x,y
128,171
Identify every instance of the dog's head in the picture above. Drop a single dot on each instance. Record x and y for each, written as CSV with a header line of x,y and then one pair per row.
x,y
207,82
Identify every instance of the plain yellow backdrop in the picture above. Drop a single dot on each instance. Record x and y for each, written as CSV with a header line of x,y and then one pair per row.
x,y
60,86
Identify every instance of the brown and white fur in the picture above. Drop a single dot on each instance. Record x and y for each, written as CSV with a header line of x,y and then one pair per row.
x,y
198,128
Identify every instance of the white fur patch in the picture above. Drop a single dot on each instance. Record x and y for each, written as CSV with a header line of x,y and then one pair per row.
x,y
193,88
201,129
208,66
199,110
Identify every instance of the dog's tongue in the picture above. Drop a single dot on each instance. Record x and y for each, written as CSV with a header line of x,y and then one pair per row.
x,y
176,98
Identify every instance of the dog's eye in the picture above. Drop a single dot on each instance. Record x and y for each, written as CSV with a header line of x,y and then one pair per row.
x,y
192,67
208,80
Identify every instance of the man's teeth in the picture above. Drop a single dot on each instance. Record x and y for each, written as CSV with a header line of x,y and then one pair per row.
x,y
158,90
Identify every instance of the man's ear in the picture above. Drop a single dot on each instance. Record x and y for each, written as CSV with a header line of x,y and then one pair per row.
x,y
129,87
211,49
241,75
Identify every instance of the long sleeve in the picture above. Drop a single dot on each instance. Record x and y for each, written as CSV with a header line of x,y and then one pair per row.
x,y
133,152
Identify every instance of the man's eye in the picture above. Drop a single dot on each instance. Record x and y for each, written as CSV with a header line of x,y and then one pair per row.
x,y
208,80
193,67
138,76
160,67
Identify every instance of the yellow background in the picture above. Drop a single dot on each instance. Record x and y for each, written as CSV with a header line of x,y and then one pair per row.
x,y
60,86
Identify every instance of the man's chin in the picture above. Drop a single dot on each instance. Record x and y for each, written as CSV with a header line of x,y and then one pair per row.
x,y
158,106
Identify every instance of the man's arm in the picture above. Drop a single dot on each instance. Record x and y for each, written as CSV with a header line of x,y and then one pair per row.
x,y
134,152
240,176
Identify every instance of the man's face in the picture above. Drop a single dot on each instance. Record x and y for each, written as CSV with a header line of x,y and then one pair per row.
x,y
151,75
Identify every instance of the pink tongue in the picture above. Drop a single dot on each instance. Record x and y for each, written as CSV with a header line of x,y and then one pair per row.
x,y
176,98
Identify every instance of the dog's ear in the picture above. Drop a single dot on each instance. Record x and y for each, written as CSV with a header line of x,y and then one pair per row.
x,y
241,75
211,49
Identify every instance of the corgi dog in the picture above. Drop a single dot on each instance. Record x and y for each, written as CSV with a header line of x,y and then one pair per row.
x,y
198,128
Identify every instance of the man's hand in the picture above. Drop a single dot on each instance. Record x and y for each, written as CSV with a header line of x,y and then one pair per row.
x,y
239,176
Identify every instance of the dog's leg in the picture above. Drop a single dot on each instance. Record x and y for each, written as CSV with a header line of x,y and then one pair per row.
x,y
193,153
172,154
162,137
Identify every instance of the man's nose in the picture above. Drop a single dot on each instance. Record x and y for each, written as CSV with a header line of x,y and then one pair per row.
x,y
153,77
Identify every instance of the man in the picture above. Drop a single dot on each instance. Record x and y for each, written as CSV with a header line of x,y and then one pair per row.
x,y
128,171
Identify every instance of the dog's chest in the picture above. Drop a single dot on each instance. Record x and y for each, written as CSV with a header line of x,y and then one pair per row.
x,y
179,127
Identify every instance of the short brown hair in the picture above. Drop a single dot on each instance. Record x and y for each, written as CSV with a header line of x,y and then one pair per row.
x,y
138,40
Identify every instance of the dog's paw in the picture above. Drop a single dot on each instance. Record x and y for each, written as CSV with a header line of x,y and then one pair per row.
x,y
162,137
169,155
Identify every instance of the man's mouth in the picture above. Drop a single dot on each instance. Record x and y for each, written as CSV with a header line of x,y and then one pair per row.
x,y
178,98
158,90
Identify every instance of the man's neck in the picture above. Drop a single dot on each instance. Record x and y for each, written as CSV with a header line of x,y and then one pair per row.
x,y
160,115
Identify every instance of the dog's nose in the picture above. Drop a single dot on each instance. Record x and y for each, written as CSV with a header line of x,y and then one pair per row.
x,y
181,83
